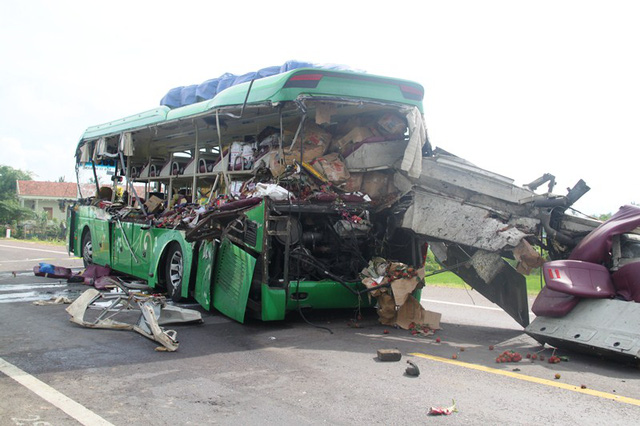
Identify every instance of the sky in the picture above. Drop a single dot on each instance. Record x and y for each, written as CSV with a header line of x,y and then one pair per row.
x,y
518,88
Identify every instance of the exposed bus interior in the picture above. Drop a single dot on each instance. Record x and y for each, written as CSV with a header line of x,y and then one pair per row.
x,y
306,188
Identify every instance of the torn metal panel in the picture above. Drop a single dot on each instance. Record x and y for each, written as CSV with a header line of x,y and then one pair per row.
x,y
490,275
606,327
152,312
442,218
375,155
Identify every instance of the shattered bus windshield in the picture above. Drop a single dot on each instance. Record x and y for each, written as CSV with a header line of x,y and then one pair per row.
x,y
274,195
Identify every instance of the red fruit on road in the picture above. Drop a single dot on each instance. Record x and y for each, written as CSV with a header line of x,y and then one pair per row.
x,y
454,356
438,340
528,356
490,347
386,332
534,356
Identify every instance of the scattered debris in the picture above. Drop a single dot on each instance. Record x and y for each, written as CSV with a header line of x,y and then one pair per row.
x,y
152,312
454,356
583,386
553,359
420,330
48,270
509,356
412,369
392,284
443,411
389,355
60,300
491,348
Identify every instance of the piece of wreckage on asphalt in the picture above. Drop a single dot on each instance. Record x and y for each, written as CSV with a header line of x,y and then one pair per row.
x,y
125,307
274,196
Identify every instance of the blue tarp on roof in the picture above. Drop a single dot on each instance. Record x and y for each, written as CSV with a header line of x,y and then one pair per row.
x,y
186,95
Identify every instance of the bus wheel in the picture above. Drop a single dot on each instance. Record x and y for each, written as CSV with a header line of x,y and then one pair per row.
x,y
87,248
173,273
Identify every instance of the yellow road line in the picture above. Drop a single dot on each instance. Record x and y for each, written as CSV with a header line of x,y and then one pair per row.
x,y
518,376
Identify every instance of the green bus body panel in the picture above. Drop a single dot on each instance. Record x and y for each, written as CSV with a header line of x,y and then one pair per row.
x,y
232,280
333,84
148,245
270,90
156,115
121,257
143,248
273,303
160,240
325,295
94,219
257,215
206,258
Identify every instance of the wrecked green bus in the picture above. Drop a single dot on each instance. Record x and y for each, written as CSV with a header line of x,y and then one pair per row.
x,y
269,197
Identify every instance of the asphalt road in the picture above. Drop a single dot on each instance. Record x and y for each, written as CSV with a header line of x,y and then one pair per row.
x,y
287,372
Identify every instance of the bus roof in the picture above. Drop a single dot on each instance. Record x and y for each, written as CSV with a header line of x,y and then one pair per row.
x,y
288,86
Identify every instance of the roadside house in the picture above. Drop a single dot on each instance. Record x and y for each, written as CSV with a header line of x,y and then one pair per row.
x,y
53,198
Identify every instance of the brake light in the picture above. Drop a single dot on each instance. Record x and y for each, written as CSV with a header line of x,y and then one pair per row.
x,y
304,80
412,92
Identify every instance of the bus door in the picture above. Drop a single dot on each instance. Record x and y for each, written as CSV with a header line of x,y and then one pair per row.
x,y
100,241
232,280
141,247
206,259
122,233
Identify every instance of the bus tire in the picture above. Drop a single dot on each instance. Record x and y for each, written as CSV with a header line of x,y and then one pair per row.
x,y
87,248
173,273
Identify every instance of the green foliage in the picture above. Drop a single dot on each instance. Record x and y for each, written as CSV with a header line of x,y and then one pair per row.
x,y
8,178
10,211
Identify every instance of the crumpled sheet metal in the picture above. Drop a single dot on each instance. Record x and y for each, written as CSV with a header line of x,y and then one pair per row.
x,y
450,220
147,325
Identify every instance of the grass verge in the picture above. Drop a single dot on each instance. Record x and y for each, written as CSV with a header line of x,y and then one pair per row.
x,y
449,279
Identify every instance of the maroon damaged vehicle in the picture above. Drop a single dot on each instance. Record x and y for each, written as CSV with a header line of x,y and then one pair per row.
x,y
591,300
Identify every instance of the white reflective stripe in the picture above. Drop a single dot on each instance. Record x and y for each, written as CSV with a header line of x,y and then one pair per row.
x,y
49,394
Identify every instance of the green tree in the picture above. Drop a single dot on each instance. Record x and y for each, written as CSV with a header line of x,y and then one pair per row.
x,y
10,210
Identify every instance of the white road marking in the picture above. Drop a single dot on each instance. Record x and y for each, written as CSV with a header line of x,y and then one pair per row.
x,y
34,249
36,286
464,305
49,394
26,260
489,308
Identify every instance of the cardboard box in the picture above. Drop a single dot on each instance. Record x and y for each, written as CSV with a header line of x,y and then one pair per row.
x,y
375,184
332,167
357,134
153,204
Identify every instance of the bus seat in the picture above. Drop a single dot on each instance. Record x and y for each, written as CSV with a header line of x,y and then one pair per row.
x,y
626,281
553,304
578,278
